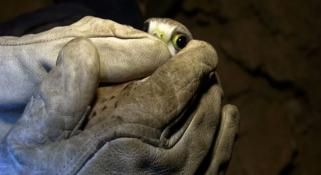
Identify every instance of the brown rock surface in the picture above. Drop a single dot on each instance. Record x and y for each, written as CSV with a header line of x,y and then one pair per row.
x,y
11,9
270,67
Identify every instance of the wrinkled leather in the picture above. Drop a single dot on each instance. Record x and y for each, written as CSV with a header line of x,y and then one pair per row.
x,y
125,54
172,122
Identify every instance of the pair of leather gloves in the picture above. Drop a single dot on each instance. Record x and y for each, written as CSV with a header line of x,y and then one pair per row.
x,y
172,122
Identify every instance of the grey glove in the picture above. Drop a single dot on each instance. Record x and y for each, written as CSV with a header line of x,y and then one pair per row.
x,y
169,123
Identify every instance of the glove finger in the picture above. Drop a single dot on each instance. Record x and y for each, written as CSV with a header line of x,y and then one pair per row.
x,y
196,141
143,109
225,140
57,107
182,155
158,100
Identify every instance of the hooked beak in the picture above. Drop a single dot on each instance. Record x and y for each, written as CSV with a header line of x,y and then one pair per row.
x,y
159,34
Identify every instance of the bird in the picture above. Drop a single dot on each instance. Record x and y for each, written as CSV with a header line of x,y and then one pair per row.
x,y
172,32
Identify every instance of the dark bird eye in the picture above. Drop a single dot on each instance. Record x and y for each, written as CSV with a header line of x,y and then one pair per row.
x,y
179,41
146,26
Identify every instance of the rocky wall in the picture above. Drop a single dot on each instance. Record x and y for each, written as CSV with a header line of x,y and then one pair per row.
x,y
270,67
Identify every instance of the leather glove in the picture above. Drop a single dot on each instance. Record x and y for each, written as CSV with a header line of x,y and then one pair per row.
x,y
172,122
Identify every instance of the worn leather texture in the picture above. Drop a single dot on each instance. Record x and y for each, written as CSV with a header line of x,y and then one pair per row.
x,y
125,54
172,122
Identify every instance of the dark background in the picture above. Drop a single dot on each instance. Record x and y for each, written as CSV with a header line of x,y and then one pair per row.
x,y
270,67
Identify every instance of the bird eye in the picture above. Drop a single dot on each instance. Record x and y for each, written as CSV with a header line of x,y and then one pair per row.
x,y
146,26
179,41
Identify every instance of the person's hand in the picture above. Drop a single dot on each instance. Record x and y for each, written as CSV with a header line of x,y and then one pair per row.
x,y
172,122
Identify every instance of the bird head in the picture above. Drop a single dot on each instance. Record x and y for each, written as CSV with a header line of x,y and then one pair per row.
x,y
173,33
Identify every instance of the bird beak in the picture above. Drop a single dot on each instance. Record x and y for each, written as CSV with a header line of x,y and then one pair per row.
x,y
159,34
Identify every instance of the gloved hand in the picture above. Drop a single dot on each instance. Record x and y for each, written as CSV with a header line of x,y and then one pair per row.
x,y
172,122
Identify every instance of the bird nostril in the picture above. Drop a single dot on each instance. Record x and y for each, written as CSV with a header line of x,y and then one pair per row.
x,y
159,35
